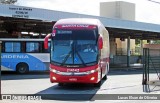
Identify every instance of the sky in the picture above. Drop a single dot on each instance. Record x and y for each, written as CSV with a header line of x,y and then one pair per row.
x,y
146,11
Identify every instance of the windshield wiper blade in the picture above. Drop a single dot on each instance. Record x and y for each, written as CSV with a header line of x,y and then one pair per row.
x,y
65,59
81,58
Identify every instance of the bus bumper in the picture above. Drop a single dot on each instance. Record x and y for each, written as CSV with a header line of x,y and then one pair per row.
x,y
90,78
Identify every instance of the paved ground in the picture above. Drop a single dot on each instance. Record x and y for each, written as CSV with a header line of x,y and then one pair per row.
x,y
119,83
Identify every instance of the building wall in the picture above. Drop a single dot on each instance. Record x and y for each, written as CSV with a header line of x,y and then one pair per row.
x,y
113,47
127,10
108,9
122,46
119,10
154,49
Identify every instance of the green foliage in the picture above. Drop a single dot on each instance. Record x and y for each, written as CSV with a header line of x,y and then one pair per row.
x,y
137,41
155,41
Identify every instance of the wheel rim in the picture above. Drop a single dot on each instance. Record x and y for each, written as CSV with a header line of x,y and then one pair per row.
x,y
22,69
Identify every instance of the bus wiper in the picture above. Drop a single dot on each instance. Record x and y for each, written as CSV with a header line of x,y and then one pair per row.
x,y
81,58
65,59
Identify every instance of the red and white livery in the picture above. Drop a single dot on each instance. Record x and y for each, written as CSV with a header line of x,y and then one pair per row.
x,y
79,51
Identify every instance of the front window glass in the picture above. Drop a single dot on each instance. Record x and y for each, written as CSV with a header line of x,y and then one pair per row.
x,y
62,48
87,49
74,47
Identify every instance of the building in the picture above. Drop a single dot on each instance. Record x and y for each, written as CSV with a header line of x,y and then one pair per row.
x,y
17,19
119,10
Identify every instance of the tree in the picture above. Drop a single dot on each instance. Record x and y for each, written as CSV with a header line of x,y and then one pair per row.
x,y
155,42
8,1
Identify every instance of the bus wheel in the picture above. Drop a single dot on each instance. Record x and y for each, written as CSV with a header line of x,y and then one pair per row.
x,y
98,84
60,84
105,77
107,70
22,68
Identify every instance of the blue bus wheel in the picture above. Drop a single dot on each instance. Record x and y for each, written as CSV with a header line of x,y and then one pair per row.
x,y
22,68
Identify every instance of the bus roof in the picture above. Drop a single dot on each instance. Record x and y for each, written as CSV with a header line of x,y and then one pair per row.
x,y
88,21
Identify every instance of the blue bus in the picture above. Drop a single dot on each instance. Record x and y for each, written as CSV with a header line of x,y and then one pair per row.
x,y
24,55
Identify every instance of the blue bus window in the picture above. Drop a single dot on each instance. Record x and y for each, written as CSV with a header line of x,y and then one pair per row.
x,y
12,47
49,47
32,47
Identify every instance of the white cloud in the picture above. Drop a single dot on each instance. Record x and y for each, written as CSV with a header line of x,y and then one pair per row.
x,y
146,11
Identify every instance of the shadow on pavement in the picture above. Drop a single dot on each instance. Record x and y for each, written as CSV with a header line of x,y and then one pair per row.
x,y
7,75
44,74
80,92
125,71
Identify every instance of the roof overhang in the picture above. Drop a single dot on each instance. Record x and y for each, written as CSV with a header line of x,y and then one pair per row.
x,y
20,18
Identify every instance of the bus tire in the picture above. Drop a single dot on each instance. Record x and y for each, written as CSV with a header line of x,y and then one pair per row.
x,y
22,68
105,77
60,84
98,84
107,68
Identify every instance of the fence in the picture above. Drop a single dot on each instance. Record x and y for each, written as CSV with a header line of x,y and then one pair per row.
x,y
122,51
122,59
151,69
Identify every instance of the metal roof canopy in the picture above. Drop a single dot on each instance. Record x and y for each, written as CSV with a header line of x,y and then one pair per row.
x,y
20,18
8,25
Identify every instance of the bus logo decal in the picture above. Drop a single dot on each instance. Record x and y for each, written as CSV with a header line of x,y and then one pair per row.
x,y
72,70
15,56
75,25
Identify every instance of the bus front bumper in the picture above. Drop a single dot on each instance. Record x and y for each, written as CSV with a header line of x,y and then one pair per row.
x,y
88,78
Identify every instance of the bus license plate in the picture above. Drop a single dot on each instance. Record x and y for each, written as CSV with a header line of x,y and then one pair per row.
x,y
72,79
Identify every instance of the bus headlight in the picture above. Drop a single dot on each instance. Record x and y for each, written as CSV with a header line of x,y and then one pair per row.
x,y
74,73
60,73
92,71
54,71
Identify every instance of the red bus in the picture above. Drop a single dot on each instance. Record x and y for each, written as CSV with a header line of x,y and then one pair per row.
x,y
79,51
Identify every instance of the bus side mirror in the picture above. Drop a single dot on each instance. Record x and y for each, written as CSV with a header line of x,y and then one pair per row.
x,y
100,42
46,41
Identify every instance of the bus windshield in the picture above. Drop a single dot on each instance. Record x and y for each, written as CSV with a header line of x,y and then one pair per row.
x,y
74,47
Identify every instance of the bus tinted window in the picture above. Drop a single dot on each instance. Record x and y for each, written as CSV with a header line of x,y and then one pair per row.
x,y
12,47
49,47
76,34
32,47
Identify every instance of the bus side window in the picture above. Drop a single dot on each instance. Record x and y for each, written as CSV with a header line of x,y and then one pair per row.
x,y
32,47
12,47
